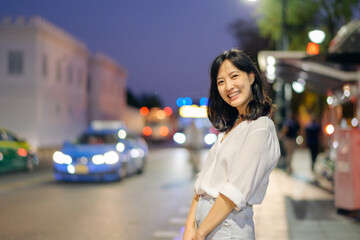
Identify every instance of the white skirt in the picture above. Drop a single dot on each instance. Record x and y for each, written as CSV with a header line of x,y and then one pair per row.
x,y
236,226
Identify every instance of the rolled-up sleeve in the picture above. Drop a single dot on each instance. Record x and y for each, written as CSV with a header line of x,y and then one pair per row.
x,y
249,172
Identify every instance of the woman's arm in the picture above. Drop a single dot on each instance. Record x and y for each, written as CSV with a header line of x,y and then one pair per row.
x,y
190,231
220,210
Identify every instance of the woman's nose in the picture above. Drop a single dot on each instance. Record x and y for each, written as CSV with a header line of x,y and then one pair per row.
x,y
228,85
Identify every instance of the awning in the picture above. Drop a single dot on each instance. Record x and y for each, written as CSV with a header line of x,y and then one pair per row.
x,y
319,73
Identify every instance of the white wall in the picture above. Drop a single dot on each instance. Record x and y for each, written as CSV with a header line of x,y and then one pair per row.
x,y
107,96
42,108
46,109
18,92
62,101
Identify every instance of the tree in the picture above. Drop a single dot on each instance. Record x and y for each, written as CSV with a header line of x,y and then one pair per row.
x,y
132,100
146,100
151,100
248,37
335,13
302,17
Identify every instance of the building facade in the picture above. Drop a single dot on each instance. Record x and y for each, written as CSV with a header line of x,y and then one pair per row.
x,y
51,86
43,81
107,89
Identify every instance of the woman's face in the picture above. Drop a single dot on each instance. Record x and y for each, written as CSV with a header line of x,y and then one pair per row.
x,y
234,86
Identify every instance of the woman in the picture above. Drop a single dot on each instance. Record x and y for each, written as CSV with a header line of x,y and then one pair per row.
x,y
236,172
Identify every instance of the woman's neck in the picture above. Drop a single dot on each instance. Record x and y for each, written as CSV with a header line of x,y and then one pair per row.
x,y
242,111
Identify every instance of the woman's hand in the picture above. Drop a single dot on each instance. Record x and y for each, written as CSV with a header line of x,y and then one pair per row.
x,y
200,236
189,233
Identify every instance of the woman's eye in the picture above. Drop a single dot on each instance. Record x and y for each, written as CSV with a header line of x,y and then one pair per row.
x,y
234,76
220,82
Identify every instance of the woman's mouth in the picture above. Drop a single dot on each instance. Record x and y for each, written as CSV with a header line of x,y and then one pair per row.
x,y
234,95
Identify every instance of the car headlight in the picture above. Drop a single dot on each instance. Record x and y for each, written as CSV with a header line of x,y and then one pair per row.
x,y
98,159
180,138
134,153
61,158
122,134
108,158
71,169
120,147
111,157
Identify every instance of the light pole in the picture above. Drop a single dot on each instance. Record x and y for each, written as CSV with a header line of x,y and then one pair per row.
x,y
284,36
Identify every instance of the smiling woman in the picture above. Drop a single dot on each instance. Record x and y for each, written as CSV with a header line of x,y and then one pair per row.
x,y
236,91
236,172
234,86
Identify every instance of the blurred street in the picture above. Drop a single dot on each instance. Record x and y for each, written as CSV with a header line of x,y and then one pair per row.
x,y
34,206
154,205
114,98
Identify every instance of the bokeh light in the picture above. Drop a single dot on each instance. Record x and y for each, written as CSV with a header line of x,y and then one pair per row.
x,y
168,111
204,101
164,131
147,131
179,138
188,101
329,129
122,134
144,111
160,114
210,138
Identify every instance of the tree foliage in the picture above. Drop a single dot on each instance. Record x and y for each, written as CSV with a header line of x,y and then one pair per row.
x,y
147,100
302,16
249,40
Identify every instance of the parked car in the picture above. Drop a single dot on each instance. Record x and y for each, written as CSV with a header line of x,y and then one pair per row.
x,y
106,151
15,153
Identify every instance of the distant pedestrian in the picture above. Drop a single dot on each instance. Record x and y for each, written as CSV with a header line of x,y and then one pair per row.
x,y
288,135
313,131
194,143
236,172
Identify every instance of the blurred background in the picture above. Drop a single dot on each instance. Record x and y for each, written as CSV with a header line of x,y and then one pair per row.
x,y
103,123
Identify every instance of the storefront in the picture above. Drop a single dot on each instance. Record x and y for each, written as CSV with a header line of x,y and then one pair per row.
x,y
327,86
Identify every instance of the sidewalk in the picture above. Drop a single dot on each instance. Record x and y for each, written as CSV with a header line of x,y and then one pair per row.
x,y
296,209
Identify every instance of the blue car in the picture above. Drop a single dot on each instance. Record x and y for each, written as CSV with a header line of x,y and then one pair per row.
x,y
106,151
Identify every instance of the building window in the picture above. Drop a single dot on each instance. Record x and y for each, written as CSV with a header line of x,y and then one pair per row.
x,y
58,71
44,66
70,73
88,84
80,76
16,62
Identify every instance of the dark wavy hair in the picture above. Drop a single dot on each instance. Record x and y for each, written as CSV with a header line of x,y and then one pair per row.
x,y
221,114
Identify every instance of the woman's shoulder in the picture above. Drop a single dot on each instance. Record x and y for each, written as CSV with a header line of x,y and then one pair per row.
x,y
262,123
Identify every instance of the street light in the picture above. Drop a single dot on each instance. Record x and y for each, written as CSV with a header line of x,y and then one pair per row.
x,y
317,36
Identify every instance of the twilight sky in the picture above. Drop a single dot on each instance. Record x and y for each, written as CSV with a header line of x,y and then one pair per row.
x,y
165,45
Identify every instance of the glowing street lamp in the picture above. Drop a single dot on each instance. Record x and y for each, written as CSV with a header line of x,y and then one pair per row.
x,y
317,36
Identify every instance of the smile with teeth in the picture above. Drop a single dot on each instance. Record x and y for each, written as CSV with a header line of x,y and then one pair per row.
x,y
233,94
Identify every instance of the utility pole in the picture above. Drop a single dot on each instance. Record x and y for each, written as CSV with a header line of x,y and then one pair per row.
x,y
282,45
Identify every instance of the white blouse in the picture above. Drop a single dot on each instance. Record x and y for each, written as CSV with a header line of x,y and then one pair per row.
x,y
240,165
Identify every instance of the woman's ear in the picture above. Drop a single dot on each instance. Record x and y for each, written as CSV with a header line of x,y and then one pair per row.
x,y
252,77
